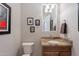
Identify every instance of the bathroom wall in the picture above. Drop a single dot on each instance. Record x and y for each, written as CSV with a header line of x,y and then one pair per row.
x,y
70,13
33,10
9,43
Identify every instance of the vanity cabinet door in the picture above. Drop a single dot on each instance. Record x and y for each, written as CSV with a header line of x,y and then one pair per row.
x,y
56,51
50,53
67,53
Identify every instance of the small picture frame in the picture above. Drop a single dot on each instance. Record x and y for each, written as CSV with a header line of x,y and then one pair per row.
x,y
32,29
37,22
30,20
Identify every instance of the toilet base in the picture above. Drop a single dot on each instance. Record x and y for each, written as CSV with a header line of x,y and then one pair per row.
x,y
26,55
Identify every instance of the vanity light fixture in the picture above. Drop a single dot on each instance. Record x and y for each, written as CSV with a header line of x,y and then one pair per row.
x,y
49,7
46,8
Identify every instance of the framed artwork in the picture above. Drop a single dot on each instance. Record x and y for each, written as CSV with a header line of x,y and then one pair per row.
x,y
37,22
32,29
5,18
30,20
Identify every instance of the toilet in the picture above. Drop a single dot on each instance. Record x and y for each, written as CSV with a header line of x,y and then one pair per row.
x,y
27,48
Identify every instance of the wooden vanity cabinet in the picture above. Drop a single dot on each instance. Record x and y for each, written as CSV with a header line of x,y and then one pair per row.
x,y
56,50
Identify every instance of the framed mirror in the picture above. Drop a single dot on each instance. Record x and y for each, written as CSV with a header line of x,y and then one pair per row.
x,y
5,18
49,17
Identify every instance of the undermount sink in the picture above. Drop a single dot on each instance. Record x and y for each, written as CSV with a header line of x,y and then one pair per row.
x,y
45,41
61,42
53,42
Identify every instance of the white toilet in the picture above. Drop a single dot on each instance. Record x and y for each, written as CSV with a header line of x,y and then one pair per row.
x,y
27,47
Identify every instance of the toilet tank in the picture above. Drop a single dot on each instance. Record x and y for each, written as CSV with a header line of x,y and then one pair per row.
x,y
28,47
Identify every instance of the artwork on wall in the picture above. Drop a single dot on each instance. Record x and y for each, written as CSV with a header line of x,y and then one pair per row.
x,y
78,16
32,29
30,20
37,22
32,23
5,18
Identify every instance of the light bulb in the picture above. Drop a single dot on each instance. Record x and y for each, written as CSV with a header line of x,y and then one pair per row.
x,y
52,6
46,8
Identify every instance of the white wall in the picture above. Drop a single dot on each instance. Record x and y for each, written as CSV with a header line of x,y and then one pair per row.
x,y
70,13
33,10
9,43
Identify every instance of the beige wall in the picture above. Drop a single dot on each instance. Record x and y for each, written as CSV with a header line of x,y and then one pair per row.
x,y
70,13
33,10
9,43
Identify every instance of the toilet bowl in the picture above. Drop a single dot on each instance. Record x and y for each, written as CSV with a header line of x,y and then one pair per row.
x,y
26,54
27,48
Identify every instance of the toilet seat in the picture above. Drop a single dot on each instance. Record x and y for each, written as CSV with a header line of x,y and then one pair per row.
x,y
26,55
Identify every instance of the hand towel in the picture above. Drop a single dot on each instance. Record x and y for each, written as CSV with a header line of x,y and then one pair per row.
x,y
64,28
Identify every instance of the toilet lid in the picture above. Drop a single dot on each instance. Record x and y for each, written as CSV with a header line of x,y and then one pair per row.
x,y
26,55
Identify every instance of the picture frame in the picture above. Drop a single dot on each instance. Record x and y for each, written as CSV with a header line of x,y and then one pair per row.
x,y
5,18
37,22
30,20
32,29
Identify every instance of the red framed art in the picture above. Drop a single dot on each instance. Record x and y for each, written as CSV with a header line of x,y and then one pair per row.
x,y
5,18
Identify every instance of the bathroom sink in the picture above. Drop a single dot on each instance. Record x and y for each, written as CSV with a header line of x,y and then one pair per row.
x,y
61,42
53,42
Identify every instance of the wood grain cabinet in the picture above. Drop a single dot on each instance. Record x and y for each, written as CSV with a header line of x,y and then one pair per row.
x,y
56,50
62,48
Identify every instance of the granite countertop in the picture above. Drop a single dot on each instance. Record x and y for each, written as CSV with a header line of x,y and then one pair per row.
x,y
55,42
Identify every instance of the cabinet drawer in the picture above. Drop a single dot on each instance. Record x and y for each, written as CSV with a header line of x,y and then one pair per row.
x,y
50,53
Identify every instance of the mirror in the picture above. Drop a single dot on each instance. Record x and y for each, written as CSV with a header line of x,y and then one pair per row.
x,y
49,12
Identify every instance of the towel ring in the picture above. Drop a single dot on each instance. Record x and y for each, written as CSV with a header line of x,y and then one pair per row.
x,y
65,21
